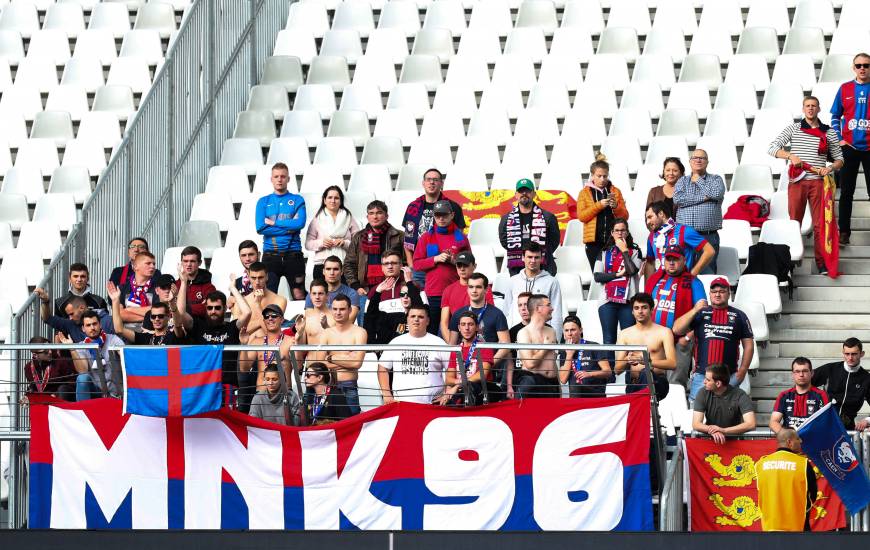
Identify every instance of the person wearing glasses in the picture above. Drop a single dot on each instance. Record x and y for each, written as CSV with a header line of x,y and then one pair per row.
x,y
618,270
387,314
121,275
851,121
795,405
363,268
698,201
808,145
420,217
48,373
719,332
324,402
214,330
527,221
435,256
253,364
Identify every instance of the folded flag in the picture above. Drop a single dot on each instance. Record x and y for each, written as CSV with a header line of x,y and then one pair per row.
x,y
829,446
172,381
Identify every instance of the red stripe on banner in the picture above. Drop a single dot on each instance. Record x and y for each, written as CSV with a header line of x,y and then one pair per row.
x,y
175,448
291,465
40,442
139,382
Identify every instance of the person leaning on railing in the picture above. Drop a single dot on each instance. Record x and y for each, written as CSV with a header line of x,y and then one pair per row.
x,y
48,373
268,404
720,409
324,403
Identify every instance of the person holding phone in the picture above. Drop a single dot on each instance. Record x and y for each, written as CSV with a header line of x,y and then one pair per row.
x,y
598,205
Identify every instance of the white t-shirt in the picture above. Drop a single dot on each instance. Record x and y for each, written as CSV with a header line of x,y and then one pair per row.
x,y
418,376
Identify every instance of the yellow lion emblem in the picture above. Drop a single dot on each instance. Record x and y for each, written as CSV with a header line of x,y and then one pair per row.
x,y
742,512
739,473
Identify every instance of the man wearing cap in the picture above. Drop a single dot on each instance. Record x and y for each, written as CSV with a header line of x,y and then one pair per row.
x,y
456,294
807,145
528,222
435,255
252,364
345,365
259,297
420,217
851,121
698,198
719,331
675,292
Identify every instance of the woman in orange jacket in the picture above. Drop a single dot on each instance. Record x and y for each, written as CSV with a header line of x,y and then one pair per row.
x,y
598,204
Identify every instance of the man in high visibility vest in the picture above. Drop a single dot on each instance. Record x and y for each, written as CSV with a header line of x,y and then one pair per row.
x,y
786,485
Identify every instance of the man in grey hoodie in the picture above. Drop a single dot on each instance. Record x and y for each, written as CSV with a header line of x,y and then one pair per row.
x,y
269,404
533,279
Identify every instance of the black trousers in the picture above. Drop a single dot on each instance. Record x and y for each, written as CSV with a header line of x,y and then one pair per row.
x,y
848,178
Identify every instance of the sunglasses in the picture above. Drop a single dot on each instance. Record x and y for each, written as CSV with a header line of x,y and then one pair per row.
x,y
403,294
271,316
158,316
214,308
310,375
862,65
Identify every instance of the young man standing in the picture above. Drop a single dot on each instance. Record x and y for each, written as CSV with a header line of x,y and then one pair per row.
x,y
721,409
280,217
538,375
344,365
528,222
139,292
317,318
532,279
198,280
249,253
455,296
258,299
793,406
418,375
665,232
659,341
332,275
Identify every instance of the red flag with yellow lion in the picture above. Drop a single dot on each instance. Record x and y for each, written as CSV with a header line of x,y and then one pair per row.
x,y
496,203
723,493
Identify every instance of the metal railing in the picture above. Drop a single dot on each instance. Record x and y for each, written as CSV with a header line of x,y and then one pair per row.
x,y
148,187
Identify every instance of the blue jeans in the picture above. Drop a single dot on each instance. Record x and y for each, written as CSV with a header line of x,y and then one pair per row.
x,y
712,238
611,314
351,394
86,388
698,383
363,300
419,279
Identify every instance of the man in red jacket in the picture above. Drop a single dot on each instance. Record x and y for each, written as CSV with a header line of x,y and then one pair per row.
x,y
198,281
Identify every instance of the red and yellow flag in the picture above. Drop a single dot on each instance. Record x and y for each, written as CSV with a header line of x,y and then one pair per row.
x,y
830,232
723,493
495,204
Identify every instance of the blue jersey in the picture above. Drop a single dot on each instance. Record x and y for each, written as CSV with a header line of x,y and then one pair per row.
x,y
664,297
670,234
849,114
288,213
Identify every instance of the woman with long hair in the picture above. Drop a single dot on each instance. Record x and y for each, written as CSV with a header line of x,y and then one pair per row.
x,y
618,269
330,229
672,170
324,402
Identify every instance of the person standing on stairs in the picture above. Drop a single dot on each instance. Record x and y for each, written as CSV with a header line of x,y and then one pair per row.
x,y
847,384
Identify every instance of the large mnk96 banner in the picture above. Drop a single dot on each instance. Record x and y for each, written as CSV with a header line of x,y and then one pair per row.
x,y
550,464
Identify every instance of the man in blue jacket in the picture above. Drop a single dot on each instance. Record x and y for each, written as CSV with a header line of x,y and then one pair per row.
x,y
280,219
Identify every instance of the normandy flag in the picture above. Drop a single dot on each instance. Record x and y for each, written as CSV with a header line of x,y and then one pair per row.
x,y
723,495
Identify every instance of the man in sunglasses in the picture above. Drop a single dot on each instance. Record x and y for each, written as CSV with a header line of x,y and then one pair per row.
x,y
160,313
50,374
849,118
254,363
214,330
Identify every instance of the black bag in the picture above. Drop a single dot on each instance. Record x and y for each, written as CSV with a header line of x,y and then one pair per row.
x,y
771,259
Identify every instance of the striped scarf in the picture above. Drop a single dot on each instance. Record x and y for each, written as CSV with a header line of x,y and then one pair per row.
x,y
372,245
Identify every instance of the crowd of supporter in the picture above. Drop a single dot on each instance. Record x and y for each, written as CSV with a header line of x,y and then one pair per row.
x,y
416,284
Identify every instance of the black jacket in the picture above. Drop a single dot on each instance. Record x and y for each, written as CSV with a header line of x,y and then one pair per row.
x,y
847,399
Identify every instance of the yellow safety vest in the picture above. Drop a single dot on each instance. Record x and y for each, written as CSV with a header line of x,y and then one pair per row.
x,y
782,491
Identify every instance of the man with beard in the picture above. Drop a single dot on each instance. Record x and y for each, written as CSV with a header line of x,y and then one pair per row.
x,y
528,222
160,335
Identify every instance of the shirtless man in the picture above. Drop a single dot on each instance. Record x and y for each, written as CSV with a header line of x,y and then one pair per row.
x,y
273,316
659,341
345,364
258,299
315,320
538,376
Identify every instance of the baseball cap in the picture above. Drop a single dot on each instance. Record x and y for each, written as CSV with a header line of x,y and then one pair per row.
x,y
465,258
525,183
720,281
442,207
164,280
675,250
274,308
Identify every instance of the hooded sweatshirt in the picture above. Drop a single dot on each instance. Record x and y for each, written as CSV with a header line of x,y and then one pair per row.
x,y
542,283
271,408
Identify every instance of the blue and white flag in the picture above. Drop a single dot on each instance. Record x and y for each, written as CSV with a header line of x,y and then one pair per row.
x,y
829,446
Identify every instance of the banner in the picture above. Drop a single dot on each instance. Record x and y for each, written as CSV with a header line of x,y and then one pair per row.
x,y
536,464
724,496
497,203
830,233
828,445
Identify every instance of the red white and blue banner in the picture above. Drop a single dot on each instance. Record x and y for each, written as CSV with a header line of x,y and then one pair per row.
x,y
172,381
538,464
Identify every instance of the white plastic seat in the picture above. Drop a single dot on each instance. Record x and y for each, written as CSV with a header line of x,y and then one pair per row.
x,y
432,152
680,123
11,46
770,13
21,268
737,95
282,70
100,126
410,97
85,72
630,13
340,43
87,153
527,152
665,42
49,44
21,17
644,95
622,150
296,43
836,68
446,14
376,71
41,153
481,43
570,158
755,152
388,43
595,98
132,72
620,41
570,260
463,177
437,42
156,16
356,16
386,151
318,177
315,97
748,68
308,16
478,153
97,44
213,207
242,152
654,68
483,232
6,244
528,42
304,124
704,68
853,14
513,71
676,15
795,68
117,99
362,97
779,211
402,16
609,69
456,99
292,151
495,15
662,147
721,152
492,124
329,70
443,124
40,238
753,178
13,210
757,318
692,96
761,288
723,13
759,41
847,40
269,97
727,123
351,124
784,96
787,232
633,123
537,14
736,234
712,40
585,15
485,258
144,44
229,181
468,71
337,151
770,122
39,73
372,178
111,17
399,123
53,125
23,180
58,209
422,69
411,179
806,40
567,42
202,234
572,291
259,125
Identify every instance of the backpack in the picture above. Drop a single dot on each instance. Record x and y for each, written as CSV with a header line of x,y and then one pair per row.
x,y
752,208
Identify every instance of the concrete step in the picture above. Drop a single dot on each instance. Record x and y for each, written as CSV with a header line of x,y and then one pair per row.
x,y
768,392
848,266
846,252
817,335
766,378
858,238
763,406
809,348
860,208
841,281
820,321
816,288
824,306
